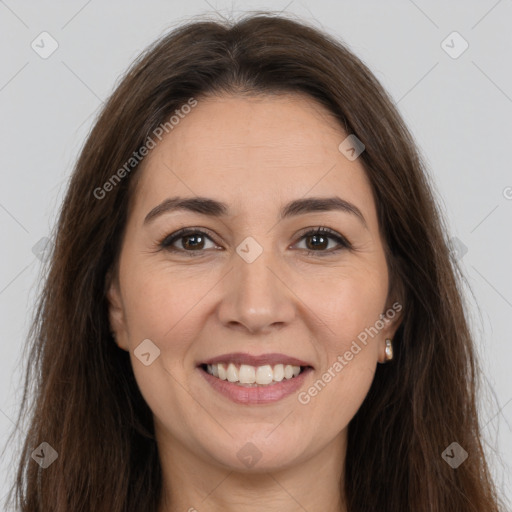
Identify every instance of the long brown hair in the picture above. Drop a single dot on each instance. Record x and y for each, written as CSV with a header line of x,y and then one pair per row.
x,y
85,401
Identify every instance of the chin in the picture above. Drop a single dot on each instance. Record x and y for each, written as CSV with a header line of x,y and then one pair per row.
x,y
255,454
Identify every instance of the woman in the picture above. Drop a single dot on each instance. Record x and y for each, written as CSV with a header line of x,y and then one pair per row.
x,y
251,302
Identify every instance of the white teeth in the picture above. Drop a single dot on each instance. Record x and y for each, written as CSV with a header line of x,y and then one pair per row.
x,y
248,374
264,374
221,371
232,373
279,372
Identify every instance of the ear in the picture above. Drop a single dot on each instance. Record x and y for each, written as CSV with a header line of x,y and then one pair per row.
x,y
115,310
392,318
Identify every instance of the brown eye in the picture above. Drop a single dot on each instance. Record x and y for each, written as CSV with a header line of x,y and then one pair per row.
x,y
317,241
189,240
192,240
195,241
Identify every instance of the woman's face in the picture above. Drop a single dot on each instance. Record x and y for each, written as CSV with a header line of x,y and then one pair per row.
x,y
249,280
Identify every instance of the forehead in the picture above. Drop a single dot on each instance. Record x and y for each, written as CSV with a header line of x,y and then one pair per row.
x,y
253,151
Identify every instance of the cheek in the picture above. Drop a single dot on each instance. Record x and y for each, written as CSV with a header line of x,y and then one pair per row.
x,y
348,301
349,308
341,393
348,353
159,304
163,308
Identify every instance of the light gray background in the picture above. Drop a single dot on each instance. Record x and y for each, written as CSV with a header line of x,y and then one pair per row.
x,y
459,110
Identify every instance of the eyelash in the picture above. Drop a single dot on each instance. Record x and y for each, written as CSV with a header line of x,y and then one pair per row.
x,y
168,240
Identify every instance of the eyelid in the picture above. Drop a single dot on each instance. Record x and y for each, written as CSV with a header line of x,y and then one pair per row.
x,y
323,230
182,232
342,241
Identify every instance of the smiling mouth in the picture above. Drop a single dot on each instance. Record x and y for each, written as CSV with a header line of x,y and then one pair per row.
x,y
254,376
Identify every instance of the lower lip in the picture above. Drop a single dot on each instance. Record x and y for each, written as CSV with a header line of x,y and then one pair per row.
x,y
257,394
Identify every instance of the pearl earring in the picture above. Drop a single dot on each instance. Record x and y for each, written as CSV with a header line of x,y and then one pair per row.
x,y
389,350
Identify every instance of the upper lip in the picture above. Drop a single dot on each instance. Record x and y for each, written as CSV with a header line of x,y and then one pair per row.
x,y
261,360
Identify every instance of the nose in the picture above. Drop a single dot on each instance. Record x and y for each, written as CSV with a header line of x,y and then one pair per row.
x,y
256,296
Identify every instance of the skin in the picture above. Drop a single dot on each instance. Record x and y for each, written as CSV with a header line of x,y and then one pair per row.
x,y
255,154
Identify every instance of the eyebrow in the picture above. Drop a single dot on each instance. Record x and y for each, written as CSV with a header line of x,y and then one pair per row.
x,y
214,208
